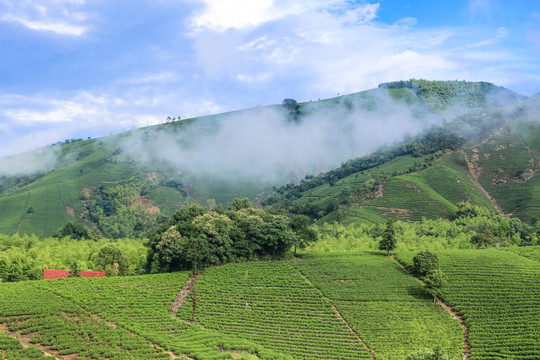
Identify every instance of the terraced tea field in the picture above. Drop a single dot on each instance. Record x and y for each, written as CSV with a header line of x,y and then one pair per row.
x,y
386,307
498,294
327,306
271,304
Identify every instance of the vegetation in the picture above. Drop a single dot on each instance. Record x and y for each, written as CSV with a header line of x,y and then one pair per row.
x,y
425,262
430,234
271,304
497,294
66,328
195,237
387,308
388,241
73,230
119,211
24,258
428,354
470,184
11,348
443,95
141,306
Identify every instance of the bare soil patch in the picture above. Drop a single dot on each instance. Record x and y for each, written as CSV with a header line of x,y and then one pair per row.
x,y
70,211
183,294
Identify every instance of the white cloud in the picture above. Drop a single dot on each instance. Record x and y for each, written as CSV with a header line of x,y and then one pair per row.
x,y
28,122
159,78
219,15
336,46
58,16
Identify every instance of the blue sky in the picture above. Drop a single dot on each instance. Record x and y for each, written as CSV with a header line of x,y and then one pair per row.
x,y
79,68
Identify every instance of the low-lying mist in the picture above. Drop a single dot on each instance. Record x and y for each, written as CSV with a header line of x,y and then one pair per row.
x,y
31,163
264,145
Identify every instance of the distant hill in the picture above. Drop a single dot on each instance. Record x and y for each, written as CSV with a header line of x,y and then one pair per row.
x,y
487,155
125,184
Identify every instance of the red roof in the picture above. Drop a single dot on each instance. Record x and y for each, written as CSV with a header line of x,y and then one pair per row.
x,y
56,274
87,274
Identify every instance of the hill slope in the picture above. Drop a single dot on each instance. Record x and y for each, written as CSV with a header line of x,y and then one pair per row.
x,y
494,166
124,184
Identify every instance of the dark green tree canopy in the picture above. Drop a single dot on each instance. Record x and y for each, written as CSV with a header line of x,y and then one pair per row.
x,y
73,230
388,241
293,109
196,237
112,260
435,282
424,262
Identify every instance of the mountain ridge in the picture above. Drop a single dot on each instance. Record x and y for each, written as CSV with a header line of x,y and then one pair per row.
x,y
138,174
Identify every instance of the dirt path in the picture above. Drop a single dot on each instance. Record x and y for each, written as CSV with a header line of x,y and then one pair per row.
x,y
25,340
340,316
449,309
473,175
183,294
22,215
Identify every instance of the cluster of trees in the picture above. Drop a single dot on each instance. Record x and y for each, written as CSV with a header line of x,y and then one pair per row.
x,y
440,95
426,265
117,212
196,237
463,232
74,230
492,229
25,257
293,109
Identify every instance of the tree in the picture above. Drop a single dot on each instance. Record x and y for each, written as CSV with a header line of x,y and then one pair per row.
x,y
75,269
435,282
112,260
388,241
73,230
424,262
292,107
306,236
277,236
239,204
166,254
428,354
195,237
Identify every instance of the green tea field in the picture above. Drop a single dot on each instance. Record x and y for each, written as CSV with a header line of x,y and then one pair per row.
x,y
325,306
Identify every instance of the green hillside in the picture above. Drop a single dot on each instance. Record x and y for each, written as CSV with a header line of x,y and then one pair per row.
x,y
115,166
125,185
496,169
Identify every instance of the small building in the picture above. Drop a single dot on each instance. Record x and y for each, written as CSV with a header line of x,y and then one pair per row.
x,y
57,274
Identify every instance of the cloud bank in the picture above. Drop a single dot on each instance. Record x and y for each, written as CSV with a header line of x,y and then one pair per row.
x,y
261,144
